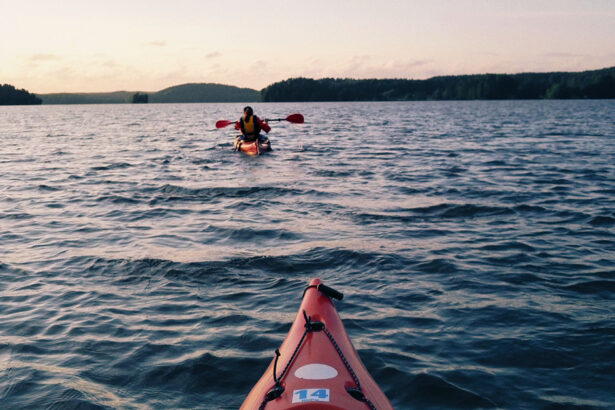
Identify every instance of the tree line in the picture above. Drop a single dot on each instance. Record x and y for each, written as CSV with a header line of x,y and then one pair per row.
x,y
140,98
556,85
9,95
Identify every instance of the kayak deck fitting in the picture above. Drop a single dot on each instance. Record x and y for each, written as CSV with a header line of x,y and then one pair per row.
x,y
316,367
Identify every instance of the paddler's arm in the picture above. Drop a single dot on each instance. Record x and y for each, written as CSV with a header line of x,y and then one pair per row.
x,y
264,126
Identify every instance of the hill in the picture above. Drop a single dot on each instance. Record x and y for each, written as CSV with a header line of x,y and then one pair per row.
x,y
555,85
193,93
185,93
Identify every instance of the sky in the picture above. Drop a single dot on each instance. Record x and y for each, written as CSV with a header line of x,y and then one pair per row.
x,y
147,45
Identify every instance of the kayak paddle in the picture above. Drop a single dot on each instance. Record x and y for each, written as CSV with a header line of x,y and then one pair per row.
x,y
223,123
294,118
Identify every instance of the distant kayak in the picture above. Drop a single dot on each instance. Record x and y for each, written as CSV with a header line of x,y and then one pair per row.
x,y
252,148
317,366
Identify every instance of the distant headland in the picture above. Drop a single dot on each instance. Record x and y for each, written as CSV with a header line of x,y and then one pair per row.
x,y
9,95
554,85
184,93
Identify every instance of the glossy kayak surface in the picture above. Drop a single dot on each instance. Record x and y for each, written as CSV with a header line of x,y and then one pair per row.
x,y
252,148
311,372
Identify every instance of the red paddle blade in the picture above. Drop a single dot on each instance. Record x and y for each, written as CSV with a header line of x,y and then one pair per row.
x,y
295,118
223,123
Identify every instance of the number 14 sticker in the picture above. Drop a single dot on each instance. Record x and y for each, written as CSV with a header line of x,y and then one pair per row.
x,y
305,395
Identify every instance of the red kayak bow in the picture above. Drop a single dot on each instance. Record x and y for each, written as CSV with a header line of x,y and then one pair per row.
x,y
316,367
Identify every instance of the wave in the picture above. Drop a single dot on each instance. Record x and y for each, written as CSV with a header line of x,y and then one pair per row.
x,y
170,192
117,199
604,288
16,215
429,391
115,165
508,245
47,188
602,221
312,260
439,211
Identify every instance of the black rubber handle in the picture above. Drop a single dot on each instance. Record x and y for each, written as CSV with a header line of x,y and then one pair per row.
x,y
332,293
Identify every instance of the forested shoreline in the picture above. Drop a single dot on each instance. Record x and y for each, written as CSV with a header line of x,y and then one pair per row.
x,y
9,95
556,85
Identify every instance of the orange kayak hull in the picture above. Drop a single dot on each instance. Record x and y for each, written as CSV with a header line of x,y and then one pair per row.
x,y
316,377
252,148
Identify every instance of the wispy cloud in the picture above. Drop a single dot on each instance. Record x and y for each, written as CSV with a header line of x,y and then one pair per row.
x,y
364,66
418,63
212,55
43,57
564,55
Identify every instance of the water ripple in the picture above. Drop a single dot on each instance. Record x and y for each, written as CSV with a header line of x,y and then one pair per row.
x,y
145,265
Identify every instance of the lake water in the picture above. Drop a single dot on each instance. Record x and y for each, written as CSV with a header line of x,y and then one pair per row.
x,y
143,264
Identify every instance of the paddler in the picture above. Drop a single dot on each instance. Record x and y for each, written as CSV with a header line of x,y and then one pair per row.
x,y
251,126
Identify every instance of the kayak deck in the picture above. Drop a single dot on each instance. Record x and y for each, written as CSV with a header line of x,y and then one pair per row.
x,y
317,365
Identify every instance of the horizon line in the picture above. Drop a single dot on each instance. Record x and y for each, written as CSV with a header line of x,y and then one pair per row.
x,y
322,78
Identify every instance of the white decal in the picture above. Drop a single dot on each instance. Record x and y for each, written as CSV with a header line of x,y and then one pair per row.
x,y
316,371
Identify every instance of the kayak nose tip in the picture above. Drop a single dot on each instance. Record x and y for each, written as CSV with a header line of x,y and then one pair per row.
x,y
325,290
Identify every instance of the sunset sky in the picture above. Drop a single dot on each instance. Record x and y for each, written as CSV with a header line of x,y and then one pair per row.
x,y
85,45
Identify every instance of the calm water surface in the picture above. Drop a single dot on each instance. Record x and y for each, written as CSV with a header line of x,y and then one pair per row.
x,y
143,264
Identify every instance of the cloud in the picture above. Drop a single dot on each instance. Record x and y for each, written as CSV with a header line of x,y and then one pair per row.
x,y
564,55
158,43
259,65
213,55
362,66
110,63
418,63
488,53
43,57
